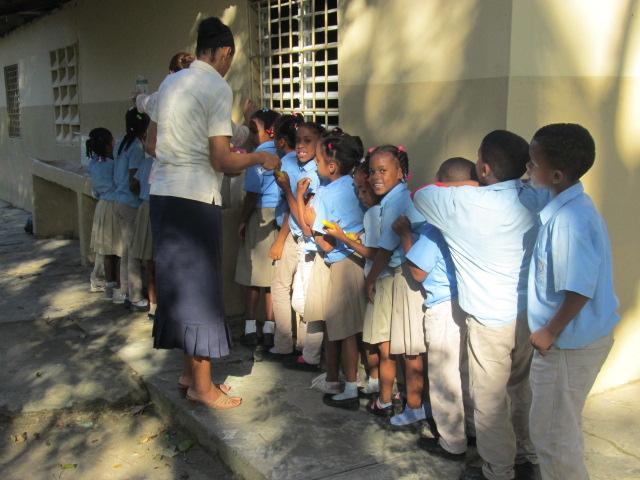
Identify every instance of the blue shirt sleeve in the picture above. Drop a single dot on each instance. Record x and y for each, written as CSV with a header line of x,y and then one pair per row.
x,y
425,253
389,240
437,204
252,180
322,212
575,258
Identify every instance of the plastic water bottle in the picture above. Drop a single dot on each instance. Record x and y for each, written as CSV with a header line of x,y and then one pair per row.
x,y
142,84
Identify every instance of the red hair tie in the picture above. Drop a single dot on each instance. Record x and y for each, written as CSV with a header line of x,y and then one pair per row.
x,y
371,149
269,131
401,149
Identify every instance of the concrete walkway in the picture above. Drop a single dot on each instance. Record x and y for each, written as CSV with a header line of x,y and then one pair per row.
x,y
282,430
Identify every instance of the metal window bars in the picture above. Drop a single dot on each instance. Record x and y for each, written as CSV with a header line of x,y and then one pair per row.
x,y
299,57
11,86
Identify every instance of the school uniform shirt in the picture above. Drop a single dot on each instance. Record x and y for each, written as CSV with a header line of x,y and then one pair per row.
x,y
193,105
283,207
490,232
263,182
572,253
431,255
395,203
337,202
142,175
296,172
371,236
101,174
129,159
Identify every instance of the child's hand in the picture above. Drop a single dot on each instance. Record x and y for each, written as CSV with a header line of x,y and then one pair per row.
x,y
275,252
241,230
335,230
303,186
542,340
402,226
282,179
370,289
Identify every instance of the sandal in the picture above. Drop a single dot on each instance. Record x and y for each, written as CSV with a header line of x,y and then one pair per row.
x,y
223,402
223,387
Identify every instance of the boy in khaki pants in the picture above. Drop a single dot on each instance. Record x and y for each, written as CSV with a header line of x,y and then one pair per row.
x,y
571,302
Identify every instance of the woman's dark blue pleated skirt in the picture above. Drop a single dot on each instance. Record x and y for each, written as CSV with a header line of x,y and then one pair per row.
x,y
187,241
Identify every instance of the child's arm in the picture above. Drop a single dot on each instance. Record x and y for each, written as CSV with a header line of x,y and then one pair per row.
x,y
402,227
336,231
380,262
303,186
543,338
324,242
248,206
275,252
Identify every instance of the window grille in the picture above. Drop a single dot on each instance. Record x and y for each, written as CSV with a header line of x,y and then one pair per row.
x,y
13,99
64,79
299,57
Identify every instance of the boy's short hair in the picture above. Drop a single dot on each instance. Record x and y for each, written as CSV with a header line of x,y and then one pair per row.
x,y
213,34
506,153
567,147
456,169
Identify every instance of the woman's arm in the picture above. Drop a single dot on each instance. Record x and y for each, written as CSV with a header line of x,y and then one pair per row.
x,y
225,161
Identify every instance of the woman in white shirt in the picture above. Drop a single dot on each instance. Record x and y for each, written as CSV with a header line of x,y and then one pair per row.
x,y
192,154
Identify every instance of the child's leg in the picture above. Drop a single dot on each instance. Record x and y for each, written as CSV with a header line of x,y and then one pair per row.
x,y
372,360
110,265
414,380
312,350
349,358
281,296
252,296
387,372
268,305
332,353
98,273
561,380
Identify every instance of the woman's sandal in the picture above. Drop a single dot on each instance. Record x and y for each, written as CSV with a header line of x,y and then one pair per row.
x,y
223,402
223,387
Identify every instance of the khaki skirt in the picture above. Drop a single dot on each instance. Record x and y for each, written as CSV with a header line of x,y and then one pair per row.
x,y
407,325
254,268
142,244
377,318
105,232
345,301
317,290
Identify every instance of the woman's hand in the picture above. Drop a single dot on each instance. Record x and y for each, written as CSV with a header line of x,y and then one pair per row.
x,y
269,161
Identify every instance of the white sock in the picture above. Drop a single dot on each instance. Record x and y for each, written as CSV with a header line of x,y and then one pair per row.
x,y
374,382
350,391
249,326
269,327
152,308
383,405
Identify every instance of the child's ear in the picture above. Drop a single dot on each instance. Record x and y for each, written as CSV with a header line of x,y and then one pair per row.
x,y
557,177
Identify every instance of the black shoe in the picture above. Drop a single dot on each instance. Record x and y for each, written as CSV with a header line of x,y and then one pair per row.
x,y
347,404
151,316
267,340
298,363
372,408
472,473
527,471
432,446
249,339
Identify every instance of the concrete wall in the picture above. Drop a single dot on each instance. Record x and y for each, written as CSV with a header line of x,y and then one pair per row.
x,y
577,61
117,40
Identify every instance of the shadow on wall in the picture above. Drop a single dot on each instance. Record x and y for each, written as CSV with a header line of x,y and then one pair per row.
x,y
432,77
603,105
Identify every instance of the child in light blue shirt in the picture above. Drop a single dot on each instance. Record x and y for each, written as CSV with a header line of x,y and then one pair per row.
x,y
257,231
572,304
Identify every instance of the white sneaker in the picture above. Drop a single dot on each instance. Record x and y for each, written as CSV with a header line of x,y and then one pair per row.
x,y
370,388
96,286
320,383
118,297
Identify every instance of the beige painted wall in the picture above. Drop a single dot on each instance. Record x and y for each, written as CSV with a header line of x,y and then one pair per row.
x,y
579,61
118,40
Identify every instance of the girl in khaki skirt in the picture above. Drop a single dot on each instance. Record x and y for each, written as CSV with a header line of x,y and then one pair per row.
x,y
142,245
389,166
257,231
105,232
336,156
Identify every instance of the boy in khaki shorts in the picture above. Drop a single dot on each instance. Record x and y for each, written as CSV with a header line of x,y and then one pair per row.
x,y
571,302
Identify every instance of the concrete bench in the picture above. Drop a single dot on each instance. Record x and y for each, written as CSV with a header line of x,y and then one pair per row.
x,y
63,206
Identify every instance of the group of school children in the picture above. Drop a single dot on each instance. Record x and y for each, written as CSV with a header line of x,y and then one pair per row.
x,y
495,290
